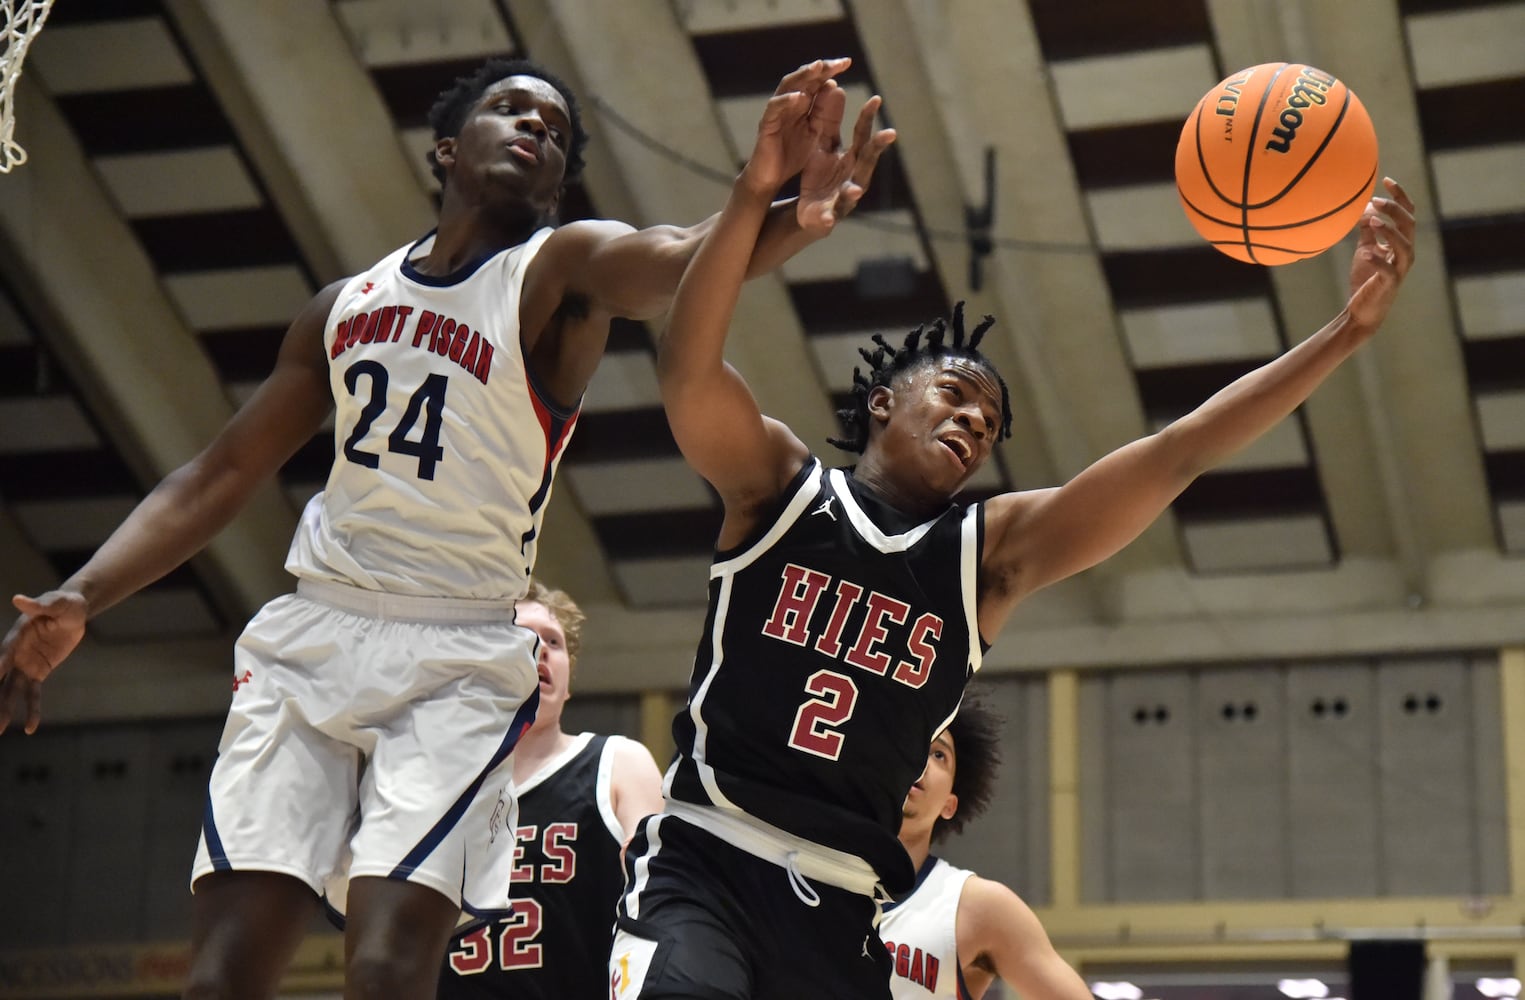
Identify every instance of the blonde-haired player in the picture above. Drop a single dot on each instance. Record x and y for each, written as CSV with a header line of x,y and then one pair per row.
x,y
580,798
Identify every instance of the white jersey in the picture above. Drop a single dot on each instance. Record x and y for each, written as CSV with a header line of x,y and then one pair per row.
x,y
921,933
444,449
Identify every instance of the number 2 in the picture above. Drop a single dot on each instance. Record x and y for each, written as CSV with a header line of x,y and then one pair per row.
x,y
429,399
816,722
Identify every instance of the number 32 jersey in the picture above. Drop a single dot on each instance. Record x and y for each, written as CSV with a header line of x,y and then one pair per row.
x,y
444,447
838,643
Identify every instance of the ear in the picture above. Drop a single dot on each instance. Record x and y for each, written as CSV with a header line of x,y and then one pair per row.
x,y
880,400
444,151
950,807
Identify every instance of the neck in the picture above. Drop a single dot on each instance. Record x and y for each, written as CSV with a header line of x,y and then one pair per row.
x,y
871,473
543,741
919,848
470,232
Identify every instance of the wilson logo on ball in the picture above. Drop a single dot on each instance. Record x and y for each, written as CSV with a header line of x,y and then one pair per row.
x,y
1310,89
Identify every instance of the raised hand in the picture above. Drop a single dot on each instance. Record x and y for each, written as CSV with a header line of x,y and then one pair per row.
x,y
793,123
49,628
1384,254
834,179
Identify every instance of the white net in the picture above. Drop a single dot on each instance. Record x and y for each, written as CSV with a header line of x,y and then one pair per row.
x,y
20,21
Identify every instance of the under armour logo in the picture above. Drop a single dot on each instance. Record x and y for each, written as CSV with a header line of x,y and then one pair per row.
x,y
368,286
865,947
240,681
825,508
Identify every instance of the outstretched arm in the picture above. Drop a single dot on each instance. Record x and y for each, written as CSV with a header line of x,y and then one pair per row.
x,y
1037,538
715,419
999,934
179,517
591,271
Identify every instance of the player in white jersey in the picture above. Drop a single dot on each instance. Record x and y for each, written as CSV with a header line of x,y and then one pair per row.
x,y
956,932
827,669
365,754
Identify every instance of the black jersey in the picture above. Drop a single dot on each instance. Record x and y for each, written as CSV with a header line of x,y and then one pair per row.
x,y
567,879
838,643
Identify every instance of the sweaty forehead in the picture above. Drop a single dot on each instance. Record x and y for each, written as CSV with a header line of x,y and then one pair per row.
x,y
977,375
536,88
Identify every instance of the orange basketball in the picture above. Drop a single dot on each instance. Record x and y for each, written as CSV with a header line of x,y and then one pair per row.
x,y
1276,163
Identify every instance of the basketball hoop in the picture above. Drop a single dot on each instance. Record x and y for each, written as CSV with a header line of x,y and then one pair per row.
x,y
20,21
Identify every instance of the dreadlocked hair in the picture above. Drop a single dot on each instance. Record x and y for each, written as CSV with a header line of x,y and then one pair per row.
x,y
925,343
976,733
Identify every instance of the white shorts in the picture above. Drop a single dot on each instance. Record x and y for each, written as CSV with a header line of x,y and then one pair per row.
x,y
370,734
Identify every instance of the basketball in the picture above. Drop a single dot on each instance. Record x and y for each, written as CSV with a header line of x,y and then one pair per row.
x,y
1276,163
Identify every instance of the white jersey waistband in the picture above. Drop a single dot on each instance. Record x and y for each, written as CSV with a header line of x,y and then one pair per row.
x,y
795,854
405,607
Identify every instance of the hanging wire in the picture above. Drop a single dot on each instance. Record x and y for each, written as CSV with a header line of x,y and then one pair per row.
x,y
869,219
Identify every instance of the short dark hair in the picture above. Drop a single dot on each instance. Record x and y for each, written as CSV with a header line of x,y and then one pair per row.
x,y
451,107
923,344
976,732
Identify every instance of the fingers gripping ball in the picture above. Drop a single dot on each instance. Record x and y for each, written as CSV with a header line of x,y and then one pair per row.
x,y
1276,163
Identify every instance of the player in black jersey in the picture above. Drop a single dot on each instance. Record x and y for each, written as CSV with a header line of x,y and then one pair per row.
x,y
848,608
580,798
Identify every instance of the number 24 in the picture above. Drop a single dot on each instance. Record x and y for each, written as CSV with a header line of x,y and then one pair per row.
x,y
428,400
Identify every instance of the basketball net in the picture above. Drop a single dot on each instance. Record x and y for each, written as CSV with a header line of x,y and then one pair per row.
x,y
20,21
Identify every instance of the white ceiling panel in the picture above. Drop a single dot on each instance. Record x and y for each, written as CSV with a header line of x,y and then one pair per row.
x,y
1230,329
1491,305
1282,447
400,32
862,237
1481,180
253,296
1512,525
702,17
1148,86
108,55
1465,46
176,182
1502,416
1273,543
1140,218
626,487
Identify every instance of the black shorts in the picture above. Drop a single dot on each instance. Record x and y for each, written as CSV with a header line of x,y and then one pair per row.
x,y
702,919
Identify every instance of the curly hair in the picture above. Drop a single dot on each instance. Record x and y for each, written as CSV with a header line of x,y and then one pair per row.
x,y
451,107
566,612
976,732
923,344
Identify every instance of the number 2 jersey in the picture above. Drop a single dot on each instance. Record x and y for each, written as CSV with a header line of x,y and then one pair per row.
x,y
566,881
838,642
444,447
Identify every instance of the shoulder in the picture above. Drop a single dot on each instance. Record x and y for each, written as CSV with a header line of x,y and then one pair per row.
x,y
987,909
628,757
584,236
